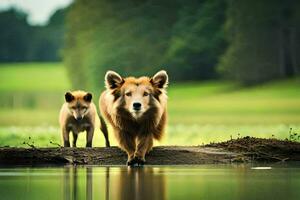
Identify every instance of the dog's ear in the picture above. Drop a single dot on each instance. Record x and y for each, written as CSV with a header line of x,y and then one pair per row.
x,y
160,79
88,97
113,80
69,97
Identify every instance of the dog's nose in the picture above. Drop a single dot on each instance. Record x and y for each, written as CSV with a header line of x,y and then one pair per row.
x,y
137,106
79,118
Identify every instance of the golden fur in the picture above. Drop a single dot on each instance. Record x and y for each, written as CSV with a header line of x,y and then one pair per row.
x,y
136,109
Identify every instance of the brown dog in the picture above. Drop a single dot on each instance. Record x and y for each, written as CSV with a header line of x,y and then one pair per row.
x,y
79,114
136,109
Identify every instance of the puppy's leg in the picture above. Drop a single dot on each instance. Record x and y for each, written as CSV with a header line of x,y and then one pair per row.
x,y
65,133
75,136
144,144
127,143
89,136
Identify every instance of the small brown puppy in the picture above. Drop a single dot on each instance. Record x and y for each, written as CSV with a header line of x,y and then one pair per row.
x,y
78,114
136,109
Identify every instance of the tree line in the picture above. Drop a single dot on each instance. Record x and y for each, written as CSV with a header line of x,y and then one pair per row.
x,y
249,41
186,38
264,40
22,42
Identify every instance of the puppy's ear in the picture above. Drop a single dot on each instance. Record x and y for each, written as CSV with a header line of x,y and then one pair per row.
x,y
160,79
113,80
69,97
88,97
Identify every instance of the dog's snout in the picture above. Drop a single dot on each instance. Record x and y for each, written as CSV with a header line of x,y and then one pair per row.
x,y
79,118
137,106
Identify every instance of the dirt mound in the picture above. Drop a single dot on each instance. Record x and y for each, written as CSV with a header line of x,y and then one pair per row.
x,y
262,149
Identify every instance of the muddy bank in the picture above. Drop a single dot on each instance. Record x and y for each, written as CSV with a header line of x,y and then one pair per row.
x,y
259,149
246,150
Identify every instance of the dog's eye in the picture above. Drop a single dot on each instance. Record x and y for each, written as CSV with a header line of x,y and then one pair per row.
x,y
128,94
146,94
84,107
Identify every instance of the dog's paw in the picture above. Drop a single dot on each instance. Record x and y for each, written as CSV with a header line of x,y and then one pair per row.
x,y
140,161
131,161
136,161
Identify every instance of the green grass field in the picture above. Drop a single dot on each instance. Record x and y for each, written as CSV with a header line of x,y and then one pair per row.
x,y
199,112
33,77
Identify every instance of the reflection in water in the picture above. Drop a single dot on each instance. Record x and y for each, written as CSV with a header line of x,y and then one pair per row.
x,y
66,183
131,183
70,183
89,183
140,183
230,182
107,184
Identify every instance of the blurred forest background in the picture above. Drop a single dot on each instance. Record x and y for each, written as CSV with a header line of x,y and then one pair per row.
x,y
234,65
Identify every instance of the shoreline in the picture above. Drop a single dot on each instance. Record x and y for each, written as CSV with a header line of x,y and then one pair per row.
x,y
242,150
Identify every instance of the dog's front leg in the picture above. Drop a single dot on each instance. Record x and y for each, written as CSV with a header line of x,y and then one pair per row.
x,y
144,144
75,136
89,136
127,143
65,133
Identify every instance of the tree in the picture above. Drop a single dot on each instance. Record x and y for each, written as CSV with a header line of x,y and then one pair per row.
x,y
197,40
21,42
141,37
15,36
259,34
49,39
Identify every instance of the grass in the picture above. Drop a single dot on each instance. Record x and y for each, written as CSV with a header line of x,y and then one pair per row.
x,y
199,112
33,77
221,102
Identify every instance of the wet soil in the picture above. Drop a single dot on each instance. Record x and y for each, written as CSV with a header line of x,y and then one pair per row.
x,y
246,150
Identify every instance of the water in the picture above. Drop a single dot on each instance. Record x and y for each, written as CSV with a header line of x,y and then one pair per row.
x,y
179,182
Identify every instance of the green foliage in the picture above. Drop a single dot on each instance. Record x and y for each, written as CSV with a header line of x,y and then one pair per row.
x,y
197,40
138,38
261,36
48,40
21,42
15,36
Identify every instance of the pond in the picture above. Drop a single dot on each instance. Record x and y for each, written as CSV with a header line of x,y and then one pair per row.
x,y
152,182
